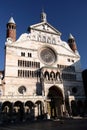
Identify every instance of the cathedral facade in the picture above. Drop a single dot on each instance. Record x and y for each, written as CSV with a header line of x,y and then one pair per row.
x,y
42,73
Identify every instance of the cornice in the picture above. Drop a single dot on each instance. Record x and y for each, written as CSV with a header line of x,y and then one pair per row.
x,y
23,48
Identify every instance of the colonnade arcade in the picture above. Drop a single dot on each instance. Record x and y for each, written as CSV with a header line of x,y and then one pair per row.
x,y
22,110
29,110
51,75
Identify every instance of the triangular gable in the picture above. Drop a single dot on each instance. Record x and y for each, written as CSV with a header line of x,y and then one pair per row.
x,y
46,27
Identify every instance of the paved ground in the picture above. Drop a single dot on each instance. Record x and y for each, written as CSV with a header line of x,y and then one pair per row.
x,y
65,124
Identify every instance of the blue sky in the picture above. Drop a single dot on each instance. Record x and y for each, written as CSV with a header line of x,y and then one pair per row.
x,y
67,16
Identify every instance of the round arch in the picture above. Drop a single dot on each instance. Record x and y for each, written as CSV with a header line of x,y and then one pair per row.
x,y
7,107
29,110
55,101
29,104
19,110
18,104
39,109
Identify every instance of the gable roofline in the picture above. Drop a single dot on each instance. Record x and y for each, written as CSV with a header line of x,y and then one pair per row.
x,y
42,23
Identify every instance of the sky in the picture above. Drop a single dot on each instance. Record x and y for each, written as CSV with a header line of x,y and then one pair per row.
x,y
67,16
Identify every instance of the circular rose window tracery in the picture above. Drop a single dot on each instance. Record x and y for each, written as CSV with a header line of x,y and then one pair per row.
x,y
47,55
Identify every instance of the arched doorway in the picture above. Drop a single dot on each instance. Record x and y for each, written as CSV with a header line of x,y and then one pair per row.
x,y
29,110
39,109
18,110
55,102
80,107
6,107
74,108
6,111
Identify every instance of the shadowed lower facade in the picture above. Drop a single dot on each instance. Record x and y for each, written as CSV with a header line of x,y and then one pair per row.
x,y
42,74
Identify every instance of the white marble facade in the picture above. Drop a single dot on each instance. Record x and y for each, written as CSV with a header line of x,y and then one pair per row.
x,y
39,64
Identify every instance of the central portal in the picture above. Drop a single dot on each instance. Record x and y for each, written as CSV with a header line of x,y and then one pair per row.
x,y
55,102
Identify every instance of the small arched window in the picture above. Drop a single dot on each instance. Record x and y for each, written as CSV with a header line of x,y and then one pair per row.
x,y
58,76
52,75
46,75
